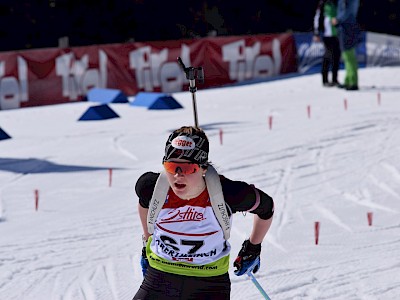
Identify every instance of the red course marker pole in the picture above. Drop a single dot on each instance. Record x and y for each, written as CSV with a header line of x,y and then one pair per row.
x,y
369,216
220,136
270,122
109,177
309,111
36,200
316,232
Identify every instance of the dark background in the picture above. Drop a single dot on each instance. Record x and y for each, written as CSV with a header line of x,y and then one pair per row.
x,y
40,23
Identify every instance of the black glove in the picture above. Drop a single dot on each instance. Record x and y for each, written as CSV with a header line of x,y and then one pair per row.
x,y
247,257
144,262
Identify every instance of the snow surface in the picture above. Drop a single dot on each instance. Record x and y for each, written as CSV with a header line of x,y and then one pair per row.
x,y
84,242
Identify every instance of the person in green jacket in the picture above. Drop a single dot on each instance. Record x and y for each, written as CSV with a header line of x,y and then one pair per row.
x,y
323,28
349,37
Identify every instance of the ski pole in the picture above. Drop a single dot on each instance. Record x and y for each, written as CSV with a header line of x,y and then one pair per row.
x,y
254,280
259,287
191,74
192,86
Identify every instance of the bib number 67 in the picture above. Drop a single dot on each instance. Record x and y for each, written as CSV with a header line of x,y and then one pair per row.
x,y
170,242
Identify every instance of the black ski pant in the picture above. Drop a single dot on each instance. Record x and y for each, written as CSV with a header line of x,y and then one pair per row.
x,y
331,58
158,285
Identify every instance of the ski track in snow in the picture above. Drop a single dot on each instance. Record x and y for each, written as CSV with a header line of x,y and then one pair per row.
x,y
31,263
122,150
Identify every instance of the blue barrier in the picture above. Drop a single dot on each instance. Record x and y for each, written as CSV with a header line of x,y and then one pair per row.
x,y
106,96
4,135
97,113
155,101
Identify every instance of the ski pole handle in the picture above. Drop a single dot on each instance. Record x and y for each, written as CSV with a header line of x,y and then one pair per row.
x,y
190,73
180,62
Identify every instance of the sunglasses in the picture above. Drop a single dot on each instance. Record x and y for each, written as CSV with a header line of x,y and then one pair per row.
x,y
182,167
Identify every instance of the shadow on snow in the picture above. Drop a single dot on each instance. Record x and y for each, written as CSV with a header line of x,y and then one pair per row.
x,y
34,166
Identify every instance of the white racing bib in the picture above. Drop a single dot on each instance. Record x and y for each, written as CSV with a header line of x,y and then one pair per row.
x,y
187,231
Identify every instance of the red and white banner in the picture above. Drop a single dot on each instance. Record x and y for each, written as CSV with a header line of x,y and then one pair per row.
x,y
51,76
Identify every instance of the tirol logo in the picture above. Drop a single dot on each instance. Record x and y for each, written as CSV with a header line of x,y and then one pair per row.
x,y
183,142
153,70
248,62
14,89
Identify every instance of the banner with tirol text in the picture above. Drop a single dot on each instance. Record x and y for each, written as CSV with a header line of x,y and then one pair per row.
x,y
55,75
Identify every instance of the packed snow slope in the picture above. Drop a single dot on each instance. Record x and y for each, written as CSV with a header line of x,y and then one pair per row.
x,y
333,166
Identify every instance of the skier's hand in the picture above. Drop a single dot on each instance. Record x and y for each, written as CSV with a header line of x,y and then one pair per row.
x,y
246,257
144,262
